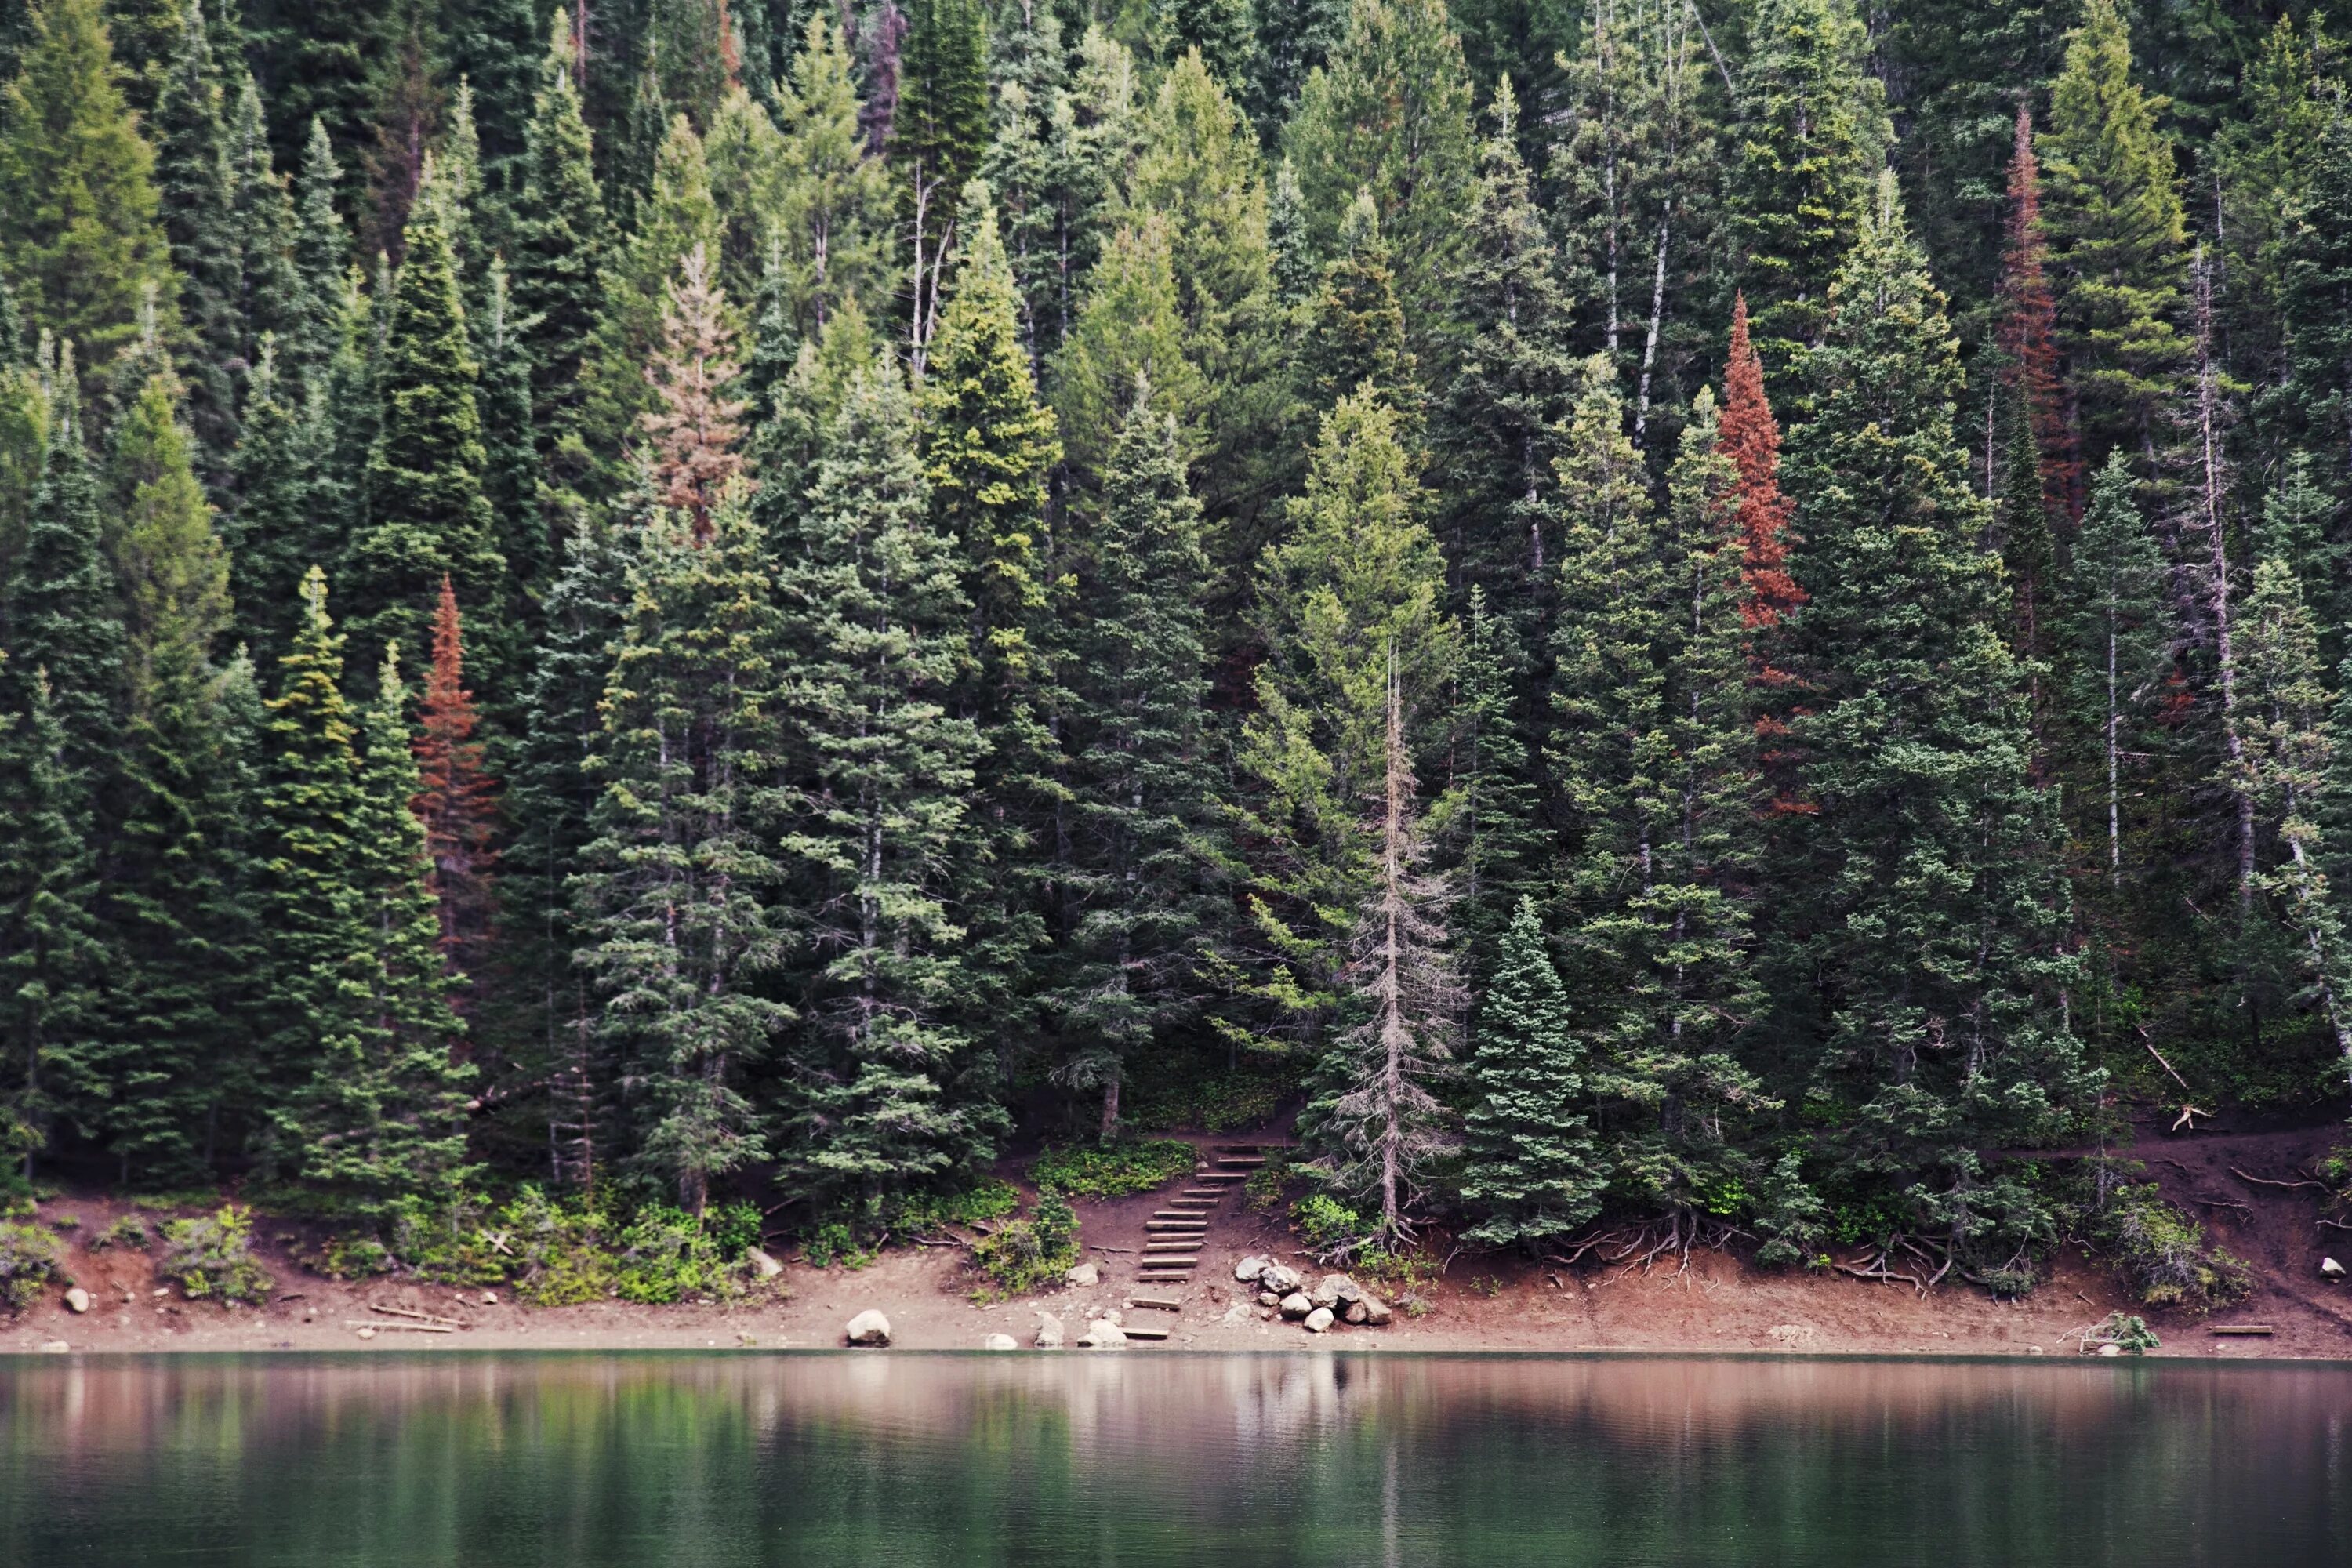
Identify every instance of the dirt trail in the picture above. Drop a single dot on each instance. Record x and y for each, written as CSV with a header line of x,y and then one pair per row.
x,y
1716,1304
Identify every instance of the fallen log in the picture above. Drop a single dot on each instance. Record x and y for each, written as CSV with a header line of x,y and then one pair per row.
x,y
413,1312
2239,1328
403,1328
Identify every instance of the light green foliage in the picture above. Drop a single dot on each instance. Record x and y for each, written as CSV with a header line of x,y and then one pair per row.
x,y
1114,1170
128,1231
1130,334
28,1263
2162,1254
1024,1255
210,1258
831,228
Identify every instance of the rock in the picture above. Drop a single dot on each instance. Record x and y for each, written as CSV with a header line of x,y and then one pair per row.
x,y
55,1347
490,1297
869,1328
1049,1332
2330,1269
1333,1289
1376,1312
1239,1312
1249,1268
1280,1278
1317,1320
2111,1350
1296,1305
768,1266
1000,1343
1102,1334
1083,1275
76,1299
1268,1299
1355,1311
1792,1333
365,1332
2035,1350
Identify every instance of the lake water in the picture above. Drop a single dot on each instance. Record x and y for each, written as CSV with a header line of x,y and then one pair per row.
x,y
1152,1458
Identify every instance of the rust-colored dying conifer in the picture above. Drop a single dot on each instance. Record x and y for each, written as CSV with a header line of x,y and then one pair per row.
x,y
1749,437
457,798
2028,334
695,430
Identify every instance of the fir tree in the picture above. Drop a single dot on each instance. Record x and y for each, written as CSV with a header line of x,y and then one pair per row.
x,y
2315,308
674,894
1932,915
1748,437
559,242
2118,241
2028,329
79,235
271,298
323,258
1812,134
1131,326
1144,785
172,574
279,529
320,64
1355,335
59,605
509,446
1531,1166
2116,639
455,801
427,516
832,227
884,1096
695,431
494,46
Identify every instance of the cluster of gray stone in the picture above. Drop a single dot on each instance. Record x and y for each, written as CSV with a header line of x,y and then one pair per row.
x,y
1335,1299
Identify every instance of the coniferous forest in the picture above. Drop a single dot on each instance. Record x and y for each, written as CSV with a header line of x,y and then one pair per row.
x,y
1655,611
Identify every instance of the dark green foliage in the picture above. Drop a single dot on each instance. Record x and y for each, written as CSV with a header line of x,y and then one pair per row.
x,y
196,197
1027,1255
29,1262
2161,1252
1532,1165
559,240
938,132
210,1258
1112,1170
60,619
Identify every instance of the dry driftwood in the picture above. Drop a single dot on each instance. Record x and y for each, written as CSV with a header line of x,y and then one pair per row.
x,y
413,1312
403,1327
2266,1182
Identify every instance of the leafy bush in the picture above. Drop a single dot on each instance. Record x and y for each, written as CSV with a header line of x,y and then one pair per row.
x,y
1267,1184
28,1261
668,1255
555,1251
65,1222
733,1228
446,1239
1114,1171
927,1214
1025,1255
2161,1252
1329,1227
356,1257
833,1242
2128,1334
212,1256
129,1231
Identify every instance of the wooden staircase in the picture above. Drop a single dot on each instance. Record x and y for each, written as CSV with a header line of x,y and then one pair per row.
x,y
1176,1231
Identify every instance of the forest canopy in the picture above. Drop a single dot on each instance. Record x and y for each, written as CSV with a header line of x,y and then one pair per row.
x,y
1648,610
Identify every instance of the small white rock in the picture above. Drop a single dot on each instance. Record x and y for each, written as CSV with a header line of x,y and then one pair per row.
x,y
55,1347
2330,1269
1000,1343
489,1298
2111,1350
1049,1332
768,1267
868,1328
1318,1319
76,1299
1084,1275
365,1332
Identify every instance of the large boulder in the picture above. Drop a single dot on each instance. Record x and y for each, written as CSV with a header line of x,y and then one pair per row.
x,y
1334,1290
868,1328
1000,1343
1296,1305
1376,1312
1102,1334
1049,1332
1317,1320
1083,1275
1280,1278
764,1266
76,1299
1250,1268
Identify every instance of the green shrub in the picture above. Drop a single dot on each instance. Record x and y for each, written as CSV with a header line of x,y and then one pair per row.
x,y
1115,1170
356,1257
1025,1255
29,1262
1268,1183
554,1250
1329,1227
2128,1334
2161,1252
928,1213
65,1222
129,1231
212,1256
733,1228
447,1239
668,1255
833,1242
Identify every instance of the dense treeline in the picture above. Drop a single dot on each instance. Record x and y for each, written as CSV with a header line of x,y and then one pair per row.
x,y
1663,609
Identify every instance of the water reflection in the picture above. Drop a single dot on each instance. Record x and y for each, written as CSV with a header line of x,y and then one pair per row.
x,y
1151,1459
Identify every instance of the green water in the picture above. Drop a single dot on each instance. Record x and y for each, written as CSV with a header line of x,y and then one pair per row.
x,y
1150,1458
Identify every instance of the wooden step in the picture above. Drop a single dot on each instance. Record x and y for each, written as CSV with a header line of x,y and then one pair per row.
x,y
1180,1214
1210,1194
1224,1178
1173,1244
1136,1331
1241,1162
1192,1227
1161,1303
1169,1264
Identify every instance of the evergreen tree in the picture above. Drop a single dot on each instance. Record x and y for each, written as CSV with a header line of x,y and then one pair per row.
x,y
59,607
280,529
1931,915
2117,242
886,1091
559,243
427,516
79,235
172,573
510,447
495,48
675,891
322,259
270,293
2028,339
2315,288
1747,436
2115,641
1391,115
693,460
1355,334
1144,785
831,228
1131,326
196,200
1295,37
53,964
1812,134
938,133
1532,1168
321,65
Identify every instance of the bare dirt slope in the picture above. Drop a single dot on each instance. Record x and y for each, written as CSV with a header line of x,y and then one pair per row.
x,y
1713,1303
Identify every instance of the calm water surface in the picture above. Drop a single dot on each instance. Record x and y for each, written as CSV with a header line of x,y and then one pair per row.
x,y
1152,1458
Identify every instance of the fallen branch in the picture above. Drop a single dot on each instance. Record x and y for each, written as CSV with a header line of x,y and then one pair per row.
x,y
2333,1223
413,1312
403,1327
2266,1182
2224,1204
2160,1061
1099,1246
1878,1270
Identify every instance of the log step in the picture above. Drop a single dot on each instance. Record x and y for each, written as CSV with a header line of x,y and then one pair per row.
x,y
1241,1161
1208,1195
1151,1248
1136,1331
1162,1303
1180,1214
1170,1265
1194,1226
1224,1178
2239,1328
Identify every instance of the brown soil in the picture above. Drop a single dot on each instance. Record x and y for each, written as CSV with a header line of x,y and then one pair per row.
x,y
1712,1302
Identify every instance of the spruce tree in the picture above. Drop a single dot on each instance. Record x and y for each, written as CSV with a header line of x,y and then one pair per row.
x,y
833,226
1131,326
2316,310
1812,134
426,514
2118,242
676,894
197,201
1531,1167
1144,783
271,292
60,606
887,1093
323,258
692,460
457,802
171,571
80,238
494,46
1932,915
1354,331
1389,114
280,529
559,244
2028,339
2115,643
